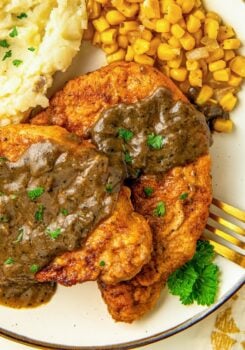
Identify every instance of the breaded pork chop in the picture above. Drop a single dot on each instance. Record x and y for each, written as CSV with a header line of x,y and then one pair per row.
x,y
115,251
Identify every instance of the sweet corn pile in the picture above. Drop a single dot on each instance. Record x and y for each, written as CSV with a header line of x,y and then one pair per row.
x,y
189,44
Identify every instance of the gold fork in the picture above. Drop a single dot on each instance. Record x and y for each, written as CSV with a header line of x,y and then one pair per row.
x,y
234,239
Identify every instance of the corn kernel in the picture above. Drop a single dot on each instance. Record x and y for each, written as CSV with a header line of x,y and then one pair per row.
x,y
198,3
182,23
130,54
192,65
235,81
213,15
228,101
195,77
177,31
165,36
187,6
94,9
108,36
114,17
178,74
198,36
187,42
162,25
165,4
217,65
166,70
101,24
175,63
231,44
122,41
109,49
127,9
144,59
229,54
222,125
238,66
193,24
166,52
215,55
116,56
96,39
211,28
141,46
146,35
150,9
128,26
222,75
204,95
225,32
155,42
199,14
174,13
174,42
149,24
102,2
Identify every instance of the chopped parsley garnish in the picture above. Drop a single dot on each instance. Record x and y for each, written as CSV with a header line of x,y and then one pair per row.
x,y
64,211
148,191
155,141
31,49
127,157
4,218
108,188
22,15
125,134
34,268
17,63
13,33
39,213
160,209
7,55
20,236
54,234
102,263
35,193
9,261
183,196
4,43
3,159
198,279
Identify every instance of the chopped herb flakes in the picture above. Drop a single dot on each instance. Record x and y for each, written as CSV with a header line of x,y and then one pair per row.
x,y
125,134
31,49
4,43
127,157
20,236
22,15
35,193
39,213
183,196
102,263
17,63
7,55
34,268
54,234
155,141
160,209
14,32
64,211
9,261
108,188
148,191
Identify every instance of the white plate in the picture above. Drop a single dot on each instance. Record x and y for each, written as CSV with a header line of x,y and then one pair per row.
x,y
77,318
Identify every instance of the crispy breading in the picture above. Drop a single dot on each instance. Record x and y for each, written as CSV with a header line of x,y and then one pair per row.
x,y
115,251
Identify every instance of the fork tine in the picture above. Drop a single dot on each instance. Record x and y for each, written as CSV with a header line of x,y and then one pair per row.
x,y
227,224
228,253
237,213
226,236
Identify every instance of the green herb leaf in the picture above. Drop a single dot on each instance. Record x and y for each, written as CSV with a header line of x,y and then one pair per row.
x,y
39,213
35,193
64,211
34,268
127,157
155,141
54,234
183,196
125,134
160,209
14,32
7,55
20,236
17,63
31,49
22,15
9,261
204,254
4,43
148,191
102,263
4,218
3,159
109,188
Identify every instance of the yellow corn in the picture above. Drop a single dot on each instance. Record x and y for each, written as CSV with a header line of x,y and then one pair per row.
x,y
192,65
174,42
235,81
96,39
222,125
130,54
128,26
149,24
178,74
146,35
122,41
238,66
195,77
144,59
211,28
198,36
228,102
229,54
217,65
213,15
108,37
165,4
94,9
187,42
141,46
204,95
174,13
150,9
231,44
116,56
101,24
114,17
198,3
155,42
225,32
162,25
215,55
166,52
199,14
127,9
193,24
166,70
187,5
175,63
102,2
222,75
182,23
177,31
109,49
165,36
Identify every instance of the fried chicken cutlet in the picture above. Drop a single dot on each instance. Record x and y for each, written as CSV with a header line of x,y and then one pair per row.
x,y
77,107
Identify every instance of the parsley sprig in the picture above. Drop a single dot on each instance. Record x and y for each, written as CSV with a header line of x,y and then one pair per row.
x,y
35,193
155,141
125,134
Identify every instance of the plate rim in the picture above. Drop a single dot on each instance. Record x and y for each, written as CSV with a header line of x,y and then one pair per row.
x,y
20,339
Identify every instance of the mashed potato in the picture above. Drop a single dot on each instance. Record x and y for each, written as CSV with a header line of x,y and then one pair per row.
x,y
37,38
